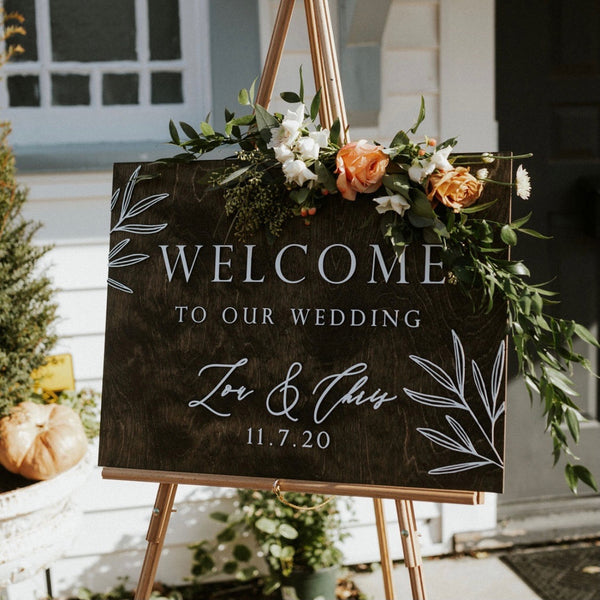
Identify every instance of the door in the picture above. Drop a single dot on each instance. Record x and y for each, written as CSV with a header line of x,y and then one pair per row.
x,y
548,102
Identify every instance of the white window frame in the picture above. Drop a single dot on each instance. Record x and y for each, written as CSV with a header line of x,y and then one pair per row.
x,y
95,123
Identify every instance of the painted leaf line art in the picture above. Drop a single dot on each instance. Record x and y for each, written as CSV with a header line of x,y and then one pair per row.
x,y
457,439
126,213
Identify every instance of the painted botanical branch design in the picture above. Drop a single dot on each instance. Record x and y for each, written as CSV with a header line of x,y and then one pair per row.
x,y
459,440
127,212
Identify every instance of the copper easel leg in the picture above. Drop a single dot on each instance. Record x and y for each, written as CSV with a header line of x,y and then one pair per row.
x,y
384,551
157,530
411,547
273,58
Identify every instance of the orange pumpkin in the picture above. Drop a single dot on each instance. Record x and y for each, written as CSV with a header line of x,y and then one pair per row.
x,y
39,441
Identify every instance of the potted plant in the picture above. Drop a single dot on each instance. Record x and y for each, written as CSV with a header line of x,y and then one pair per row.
x,y
40,436
298,536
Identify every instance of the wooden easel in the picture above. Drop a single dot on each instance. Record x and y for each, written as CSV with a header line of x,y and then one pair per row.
x,y
327,79
404,498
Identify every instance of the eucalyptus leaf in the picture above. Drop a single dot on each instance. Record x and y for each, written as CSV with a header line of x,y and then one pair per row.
x,y
519,222
325,177
206,129
244,120
251,90
508,235
584,475
334,132
573,424
315,105
301,94
420,118
174,133
243,97
399,183
265,121
585,334
188,130
571,477
235,175
400,139
290,97
535,234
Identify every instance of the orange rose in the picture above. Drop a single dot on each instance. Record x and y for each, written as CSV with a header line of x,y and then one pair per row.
x,y
455,188
361,166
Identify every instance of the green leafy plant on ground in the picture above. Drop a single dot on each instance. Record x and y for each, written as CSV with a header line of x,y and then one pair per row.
x,y
291,536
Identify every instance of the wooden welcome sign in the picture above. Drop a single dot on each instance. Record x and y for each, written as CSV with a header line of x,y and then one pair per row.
x,y
316,356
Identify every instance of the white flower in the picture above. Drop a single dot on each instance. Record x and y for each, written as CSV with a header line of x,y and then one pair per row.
x,y
289,129
396,202
438,160
482,174
321,137
307,148
283,153
523,183
486,157
296,171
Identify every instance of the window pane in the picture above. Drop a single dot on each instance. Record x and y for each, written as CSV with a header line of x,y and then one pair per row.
x,y
70,90
164,29
95,30
120,88
23,90
26,9
166,88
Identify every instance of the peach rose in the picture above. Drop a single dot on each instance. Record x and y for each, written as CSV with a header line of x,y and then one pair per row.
x,y
455,188
361,166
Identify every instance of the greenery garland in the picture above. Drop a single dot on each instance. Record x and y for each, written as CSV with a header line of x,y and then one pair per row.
x,y
288,166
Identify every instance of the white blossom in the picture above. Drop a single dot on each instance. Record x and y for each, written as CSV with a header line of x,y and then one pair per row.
x,y
289,129
283,153
486,157
396,202
438,160
307,148
523,183
296,171
482,174
321,137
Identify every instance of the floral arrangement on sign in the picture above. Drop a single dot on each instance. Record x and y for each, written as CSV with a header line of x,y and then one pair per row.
x,y
288,166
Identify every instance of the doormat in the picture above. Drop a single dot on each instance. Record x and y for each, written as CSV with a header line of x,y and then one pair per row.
x,y
560,573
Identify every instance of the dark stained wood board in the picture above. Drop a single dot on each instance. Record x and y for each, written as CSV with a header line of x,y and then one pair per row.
x,y
237,384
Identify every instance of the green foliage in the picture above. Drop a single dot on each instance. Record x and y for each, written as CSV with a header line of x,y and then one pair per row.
x,y
255,199
289,538
27,311
474,254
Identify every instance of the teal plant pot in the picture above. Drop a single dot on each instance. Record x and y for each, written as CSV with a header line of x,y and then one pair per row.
x,y
319,585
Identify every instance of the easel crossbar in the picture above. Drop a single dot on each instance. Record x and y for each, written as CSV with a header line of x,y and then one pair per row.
x,y
297,485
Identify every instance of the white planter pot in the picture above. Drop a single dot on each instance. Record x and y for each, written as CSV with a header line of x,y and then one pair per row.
x,y
38,523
